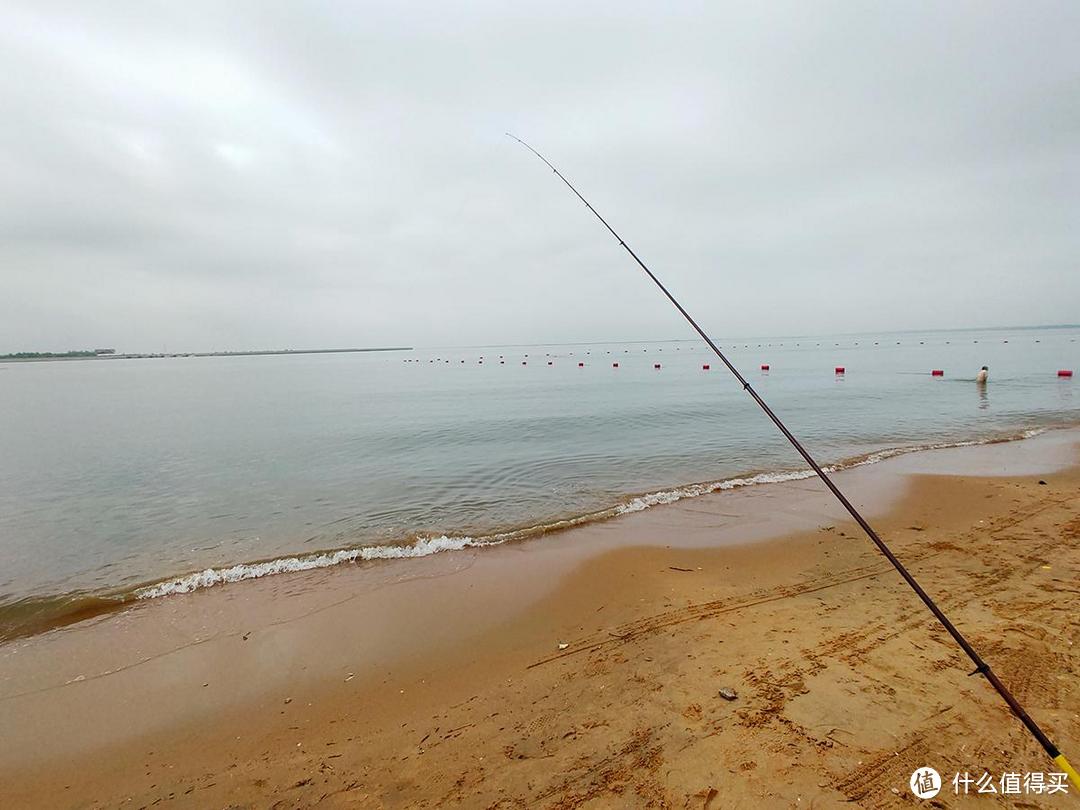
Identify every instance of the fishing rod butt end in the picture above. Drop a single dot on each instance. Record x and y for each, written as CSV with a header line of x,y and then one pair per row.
x,y
1063,763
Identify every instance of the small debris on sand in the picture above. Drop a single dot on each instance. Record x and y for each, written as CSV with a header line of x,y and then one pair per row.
x,y
727,693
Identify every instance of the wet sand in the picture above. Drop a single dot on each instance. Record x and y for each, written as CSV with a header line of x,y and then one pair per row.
x,y
441,682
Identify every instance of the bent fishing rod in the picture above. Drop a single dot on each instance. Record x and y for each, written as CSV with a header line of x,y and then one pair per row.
x,y
981,667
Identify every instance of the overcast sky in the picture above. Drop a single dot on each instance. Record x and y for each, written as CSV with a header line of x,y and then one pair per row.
x,y
192,175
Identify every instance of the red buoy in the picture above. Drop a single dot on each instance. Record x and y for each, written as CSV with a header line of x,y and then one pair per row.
x,y
764,366
704,366
840,369
1065,372
937,372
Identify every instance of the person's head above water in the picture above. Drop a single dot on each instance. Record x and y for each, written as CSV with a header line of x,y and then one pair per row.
x,y
985,368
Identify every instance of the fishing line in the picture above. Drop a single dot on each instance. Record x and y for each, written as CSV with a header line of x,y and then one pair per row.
x,y
981,666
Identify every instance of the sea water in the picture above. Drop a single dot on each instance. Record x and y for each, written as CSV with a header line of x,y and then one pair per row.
x,y
139,478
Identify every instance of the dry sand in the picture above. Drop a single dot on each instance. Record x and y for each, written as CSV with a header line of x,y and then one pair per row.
x,y
446,686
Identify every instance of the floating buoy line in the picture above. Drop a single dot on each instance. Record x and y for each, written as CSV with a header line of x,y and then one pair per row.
x,y
1064,373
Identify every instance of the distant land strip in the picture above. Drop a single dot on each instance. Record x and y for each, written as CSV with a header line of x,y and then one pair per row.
x,y
33,357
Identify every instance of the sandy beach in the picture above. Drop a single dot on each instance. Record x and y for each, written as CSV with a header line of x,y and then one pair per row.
x,y
584,669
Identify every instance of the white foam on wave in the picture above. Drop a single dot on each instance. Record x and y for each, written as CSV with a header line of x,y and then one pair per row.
x,y
425,546
893,452
652,499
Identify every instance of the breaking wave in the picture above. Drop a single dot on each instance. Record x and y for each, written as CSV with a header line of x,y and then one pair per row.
x,y
425,546
651,499
40,613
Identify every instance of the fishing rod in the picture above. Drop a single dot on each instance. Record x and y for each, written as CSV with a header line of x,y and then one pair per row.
x,y
981,666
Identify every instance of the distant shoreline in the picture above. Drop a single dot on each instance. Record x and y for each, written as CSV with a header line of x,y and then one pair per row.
x,y
159,355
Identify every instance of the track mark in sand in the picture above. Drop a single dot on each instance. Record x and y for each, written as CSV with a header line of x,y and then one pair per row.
x,y
1071,530
871,783
770,696
708,610
1018,516
1032,673
630,773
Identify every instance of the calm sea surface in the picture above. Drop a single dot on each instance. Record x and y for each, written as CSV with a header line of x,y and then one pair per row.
x,y
119,473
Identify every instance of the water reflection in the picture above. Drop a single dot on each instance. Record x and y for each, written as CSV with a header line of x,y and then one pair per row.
x,y
1065,393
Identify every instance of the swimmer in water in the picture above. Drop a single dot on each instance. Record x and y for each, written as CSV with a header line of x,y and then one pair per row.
x,y
980,378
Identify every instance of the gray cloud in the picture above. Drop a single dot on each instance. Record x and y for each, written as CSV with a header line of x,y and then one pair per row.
x,y
212,175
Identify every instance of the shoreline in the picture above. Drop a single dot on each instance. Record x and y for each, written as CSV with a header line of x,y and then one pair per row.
x,y
30,616
46,358
229,674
